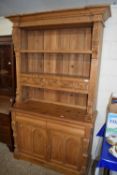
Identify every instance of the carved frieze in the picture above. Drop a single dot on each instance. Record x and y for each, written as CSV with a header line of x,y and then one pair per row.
x,y
55,82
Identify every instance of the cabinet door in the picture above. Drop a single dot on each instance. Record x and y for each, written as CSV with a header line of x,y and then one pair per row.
x,y
65,145
73,151
24,137
31,136
55,146
39,142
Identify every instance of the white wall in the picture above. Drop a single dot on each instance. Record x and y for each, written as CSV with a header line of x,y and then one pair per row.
x,y
108,73
5,26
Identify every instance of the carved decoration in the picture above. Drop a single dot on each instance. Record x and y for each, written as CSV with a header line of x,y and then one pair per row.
x,y
55,83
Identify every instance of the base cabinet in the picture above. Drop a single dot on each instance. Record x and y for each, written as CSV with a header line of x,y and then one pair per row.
x,y
61,146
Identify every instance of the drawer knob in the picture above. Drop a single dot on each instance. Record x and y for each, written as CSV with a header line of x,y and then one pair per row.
x,y
62,116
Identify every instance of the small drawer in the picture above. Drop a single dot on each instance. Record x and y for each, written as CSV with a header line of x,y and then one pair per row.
x,y
65,128
31,119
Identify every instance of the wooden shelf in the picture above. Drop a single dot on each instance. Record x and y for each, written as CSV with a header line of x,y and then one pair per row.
x,y
75,106
53,110
53,82
57,51
75,77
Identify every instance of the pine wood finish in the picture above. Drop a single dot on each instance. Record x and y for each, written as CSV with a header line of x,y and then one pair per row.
x,y
58,57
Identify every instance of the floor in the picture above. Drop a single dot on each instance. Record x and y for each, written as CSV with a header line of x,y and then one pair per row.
x,y
11,166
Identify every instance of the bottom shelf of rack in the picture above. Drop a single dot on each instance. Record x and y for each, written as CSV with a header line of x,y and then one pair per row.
x,y
47,109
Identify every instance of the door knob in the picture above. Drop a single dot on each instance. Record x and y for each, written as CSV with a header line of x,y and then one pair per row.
x,y
9,62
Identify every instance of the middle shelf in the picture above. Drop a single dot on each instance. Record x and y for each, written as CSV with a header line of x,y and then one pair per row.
x,y
55,82
62,64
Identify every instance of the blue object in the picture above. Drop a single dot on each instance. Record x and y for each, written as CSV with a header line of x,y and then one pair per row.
x,y
101,131
114,101
106,159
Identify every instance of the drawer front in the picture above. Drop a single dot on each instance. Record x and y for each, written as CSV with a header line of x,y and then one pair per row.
x,y
66,128
31,119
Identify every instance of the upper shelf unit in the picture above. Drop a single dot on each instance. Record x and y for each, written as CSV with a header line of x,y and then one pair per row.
x,y
53,45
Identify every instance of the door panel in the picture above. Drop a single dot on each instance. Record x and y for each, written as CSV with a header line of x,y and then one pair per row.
x,y
56,141
39,142
66,147
31,136
24,137
73,151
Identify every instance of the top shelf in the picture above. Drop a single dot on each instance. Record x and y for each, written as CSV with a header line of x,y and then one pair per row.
x,y
57,51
